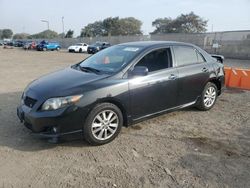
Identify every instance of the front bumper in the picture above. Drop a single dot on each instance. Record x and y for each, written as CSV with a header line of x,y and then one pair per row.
x,y
71,50
53,123
92,50
39,48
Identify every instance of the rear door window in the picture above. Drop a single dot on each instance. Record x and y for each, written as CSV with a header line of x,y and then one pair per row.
x,y
185,55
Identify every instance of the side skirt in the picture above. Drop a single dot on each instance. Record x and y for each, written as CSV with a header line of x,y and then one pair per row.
x,y
163,111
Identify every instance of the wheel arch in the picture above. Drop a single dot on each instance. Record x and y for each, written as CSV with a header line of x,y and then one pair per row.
x,y
217,82
119,105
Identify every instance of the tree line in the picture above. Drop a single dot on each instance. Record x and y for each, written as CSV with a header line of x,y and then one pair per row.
x,y
115,26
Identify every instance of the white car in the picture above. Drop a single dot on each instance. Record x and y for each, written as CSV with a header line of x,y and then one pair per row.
x,y
79,47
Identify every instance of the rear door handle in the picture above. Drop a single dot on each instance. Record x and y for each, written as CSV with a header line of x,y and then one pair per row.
x,y
205,69
172,77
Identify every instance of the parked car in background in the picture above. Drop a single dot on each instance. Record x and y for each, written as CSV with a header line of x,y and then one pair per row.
x,y
98,46
119,86
30,45
79,47
44,46
18,43
8,43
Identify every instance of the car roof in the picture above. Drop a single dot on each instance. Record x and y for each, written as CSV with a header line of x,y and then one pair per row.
x,y
154,44
147,44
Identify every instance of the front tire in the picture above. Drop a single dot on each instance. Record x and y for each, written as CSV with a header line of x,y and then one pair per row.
x,y
208,97
103,124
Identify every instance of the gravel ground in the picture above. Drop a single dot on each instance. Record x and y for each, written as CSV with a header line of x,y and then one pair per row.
x,y
187,148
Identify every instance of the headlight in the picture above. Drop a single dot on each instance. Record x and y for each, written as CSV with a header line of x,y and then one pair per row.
x,y
56,103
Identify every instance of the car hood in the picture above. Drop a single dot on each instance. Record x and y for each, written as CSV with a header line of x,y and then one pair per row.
x,y
61,83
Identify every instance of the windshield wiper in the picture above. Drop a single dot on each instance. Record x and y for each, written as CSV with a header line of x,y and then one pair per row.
x,y
89,69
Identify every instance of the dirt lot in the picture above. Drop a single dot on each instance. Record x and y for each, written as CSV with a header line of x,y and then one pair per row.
x,y
187,148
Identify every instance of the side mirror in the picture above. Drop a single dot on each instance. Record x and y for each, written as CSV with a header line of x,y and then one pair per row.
x,y
139,71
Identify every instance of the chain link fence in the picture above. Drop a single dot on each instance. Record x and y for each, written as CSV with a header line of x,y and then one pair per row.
x,y
231,44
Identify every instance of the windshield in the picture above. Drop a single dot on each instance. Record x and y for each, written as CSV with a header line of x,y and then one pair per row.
x,y
112,59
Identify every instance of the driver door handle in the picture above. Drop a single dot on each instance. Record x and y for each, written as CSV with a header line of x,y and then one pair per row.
x,y
205,69
172,77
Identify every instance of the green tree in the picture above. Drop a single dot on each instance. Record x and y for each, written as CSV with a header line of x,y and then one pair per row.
x,y
129,26
21,36
185,23
93,30
162,25
47,34
6,33
112,27
69,34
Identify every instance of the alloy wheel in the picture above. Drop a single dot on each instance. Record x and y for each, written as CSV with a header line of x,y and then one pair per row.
x,y
105,125
209,97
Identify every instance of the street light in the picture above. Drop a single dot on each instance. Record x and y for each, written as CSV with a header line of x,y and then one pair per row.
x,y
46,21
63,25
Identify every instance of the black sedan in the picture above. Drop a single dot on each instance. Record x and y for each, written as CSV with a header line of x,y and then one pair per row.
x,y
19,43
98,46
119,86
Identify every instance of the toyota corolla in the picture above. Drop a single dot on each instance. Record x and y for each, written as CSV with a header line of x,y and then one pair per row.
x,y
119,86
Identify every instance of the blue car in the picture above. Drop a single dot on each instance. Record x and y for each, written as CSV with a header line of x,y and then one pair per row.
x,y
44,46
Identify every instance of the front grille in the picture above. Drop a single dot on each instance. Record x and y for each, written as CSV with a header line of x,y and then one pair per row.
x,y
29,102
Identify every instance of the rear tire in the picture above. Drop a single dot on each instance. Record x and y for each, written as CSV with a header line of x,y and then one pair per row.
x,y
208,97
80,51
103,124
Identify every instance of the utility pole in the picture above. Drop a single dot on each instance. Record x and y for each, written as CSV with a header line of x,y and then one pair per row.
x,y
63,26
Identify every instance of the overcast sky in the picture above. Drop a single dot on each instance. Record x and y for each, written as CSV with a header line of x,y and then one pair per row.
x,y
25,15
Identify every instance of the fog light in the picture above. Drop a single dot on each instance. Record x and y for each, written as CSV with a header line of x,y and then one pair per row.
x,y
54,129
